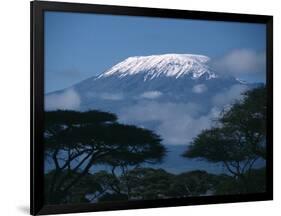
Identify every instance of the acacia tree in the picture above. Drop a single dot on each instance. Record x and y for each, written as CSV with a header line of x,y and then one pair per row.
x,y
238,139
192,183
144,150
76,141
148,183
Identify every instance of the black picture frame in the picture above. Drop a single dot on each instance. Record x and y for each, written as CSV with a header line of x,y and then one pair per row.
x,y
37,105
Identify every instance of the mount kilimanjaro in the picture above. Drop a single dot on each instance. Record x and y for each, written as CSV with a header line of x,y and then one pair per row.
x,y
176,95
167,78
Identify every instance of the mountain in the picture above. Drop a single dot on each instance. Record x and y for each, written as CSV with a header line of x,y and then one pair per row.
x,y
168,65
175,95
169,77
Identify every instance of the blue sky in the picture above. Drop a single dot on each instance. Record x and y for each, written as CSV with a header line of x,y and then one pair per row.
x,y
78,46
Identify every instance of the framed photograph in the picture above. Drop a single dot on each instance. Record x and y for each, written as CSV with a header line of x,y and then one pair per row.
x,y
141,107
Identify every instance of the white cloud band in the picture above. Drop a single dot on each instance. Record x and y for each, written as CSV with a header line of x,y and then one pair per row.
x,y
67,100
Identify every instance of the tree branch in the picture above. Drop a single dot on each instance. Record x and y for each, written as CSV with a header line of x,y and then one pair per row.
x,y
229,169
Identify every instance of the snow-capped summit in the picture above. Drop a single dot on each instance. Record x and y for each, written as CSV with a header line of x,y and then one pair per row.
x,y
169,65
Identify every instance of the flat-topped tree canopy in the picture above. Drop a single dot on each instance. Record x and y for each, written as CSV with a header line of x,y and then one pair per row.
x,y
69,117
77,141
238,140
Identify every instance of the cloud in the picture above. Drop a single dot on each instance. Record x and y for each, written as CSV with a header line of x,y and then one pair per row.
x,y
180,129
111,96
151,94
241,61
230,95
200,88
67,100
179,123
105,96
176,123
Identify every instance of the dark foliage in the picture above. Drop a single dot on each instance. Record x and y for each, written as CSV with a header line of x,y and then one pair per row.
x,y
238,140
76,141
149,184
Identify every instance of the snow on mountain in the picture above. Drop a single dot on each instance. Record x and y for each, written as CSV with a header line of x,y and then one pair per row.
x,y
169,65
